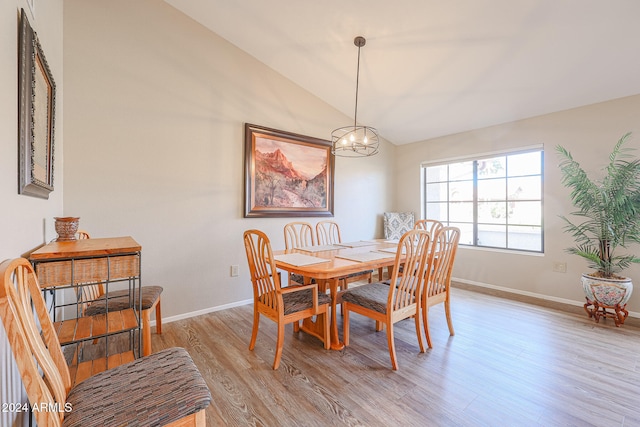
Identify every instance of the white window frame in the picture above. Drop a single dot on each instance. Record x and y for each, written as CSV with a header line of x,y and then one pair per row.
x,y
474,224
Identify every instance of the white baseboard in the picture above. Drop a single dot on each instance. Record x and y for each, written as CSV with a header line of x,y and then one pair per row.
x,y
201,312
529,294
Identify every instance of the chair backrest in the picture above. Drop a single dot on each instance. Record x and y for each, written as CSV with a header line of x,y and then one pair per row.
x,y
445,248
397,223
262,266
88,293
328,233
82,234
36,349
430,225
298,235
412,254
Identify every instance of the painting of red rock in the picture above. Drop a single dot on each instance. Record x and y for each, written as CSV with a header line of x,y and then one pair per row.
x,y
287,174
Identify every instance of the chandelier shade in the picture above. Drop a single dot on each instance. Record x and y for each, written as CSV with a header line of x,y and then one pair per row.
x,y
355,141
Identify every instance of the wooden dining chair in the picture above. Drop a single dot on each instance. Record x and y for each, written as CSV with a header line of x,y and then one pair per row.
x,y
328,233
298,234
438,284
270,299
96,301
389,304
165,388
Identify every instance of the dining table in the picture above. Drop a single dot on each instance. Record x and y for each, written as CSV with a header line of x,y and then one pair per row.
x,y
327,265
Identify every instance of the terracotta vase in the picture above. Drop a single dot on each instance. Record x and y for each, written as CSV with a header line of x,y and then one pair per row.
x,y
67,227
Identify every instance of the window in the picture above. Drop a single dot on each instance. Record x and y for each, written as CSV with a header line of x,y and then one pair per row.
x,y
495,201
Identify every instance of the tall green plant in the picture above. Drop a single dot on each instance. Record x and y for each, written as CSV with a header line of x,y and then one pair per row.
x,y
609,207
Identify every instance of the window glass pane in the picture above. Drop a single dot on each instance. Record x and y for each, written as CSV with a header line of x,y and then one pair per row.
x,y
525,213
525,238
492,235
436,173
492,212
437,192
461,211
436,211
525,164
492,168
466,232
492,189
461,191
496,202
460,171
526,188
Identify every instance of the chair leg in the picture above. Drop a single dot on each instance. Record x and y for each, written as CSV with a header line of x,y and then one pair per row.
x,y
392,346
378,326
279,346
146,332
327,333
345,323
447,310
419,332
254,332
158,317
425,320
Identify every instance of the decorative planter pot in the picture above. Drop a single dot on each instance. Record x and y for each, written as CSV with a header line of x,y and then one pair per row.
x,y
603,294
66,227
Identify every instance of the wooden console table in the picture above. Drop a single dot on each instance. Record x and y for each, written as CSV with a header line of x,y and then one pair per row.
x,y
73,265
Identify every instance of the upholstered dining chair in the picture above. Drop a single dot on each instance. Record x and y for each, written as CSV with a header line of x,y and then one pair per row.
x,y
438,284
97,301
389,304
164,388
282,305
328,233
298,234
397,223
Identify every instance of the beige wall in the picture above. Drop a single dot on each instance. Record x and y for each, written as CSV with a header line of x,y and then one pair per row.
x,y
589,133
25,222
155,107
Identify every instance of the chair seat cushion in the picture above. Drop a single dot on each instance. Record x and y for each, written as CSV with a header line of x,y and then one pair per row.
x,y
119,300
152,391
373,296
302,300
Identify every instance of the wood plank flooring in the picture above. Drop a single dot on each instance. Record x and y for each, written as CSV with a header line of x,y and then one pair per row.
x,y
509,364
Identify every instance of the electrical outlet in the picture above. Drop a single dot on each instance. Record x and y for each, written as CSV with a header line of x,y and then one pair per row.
x,y
234,271
560,267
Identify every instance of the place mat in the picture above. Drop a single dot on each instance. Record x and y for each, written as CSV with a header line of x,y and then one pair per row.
x,y
393,250
364,256
319,248
356,244
299,259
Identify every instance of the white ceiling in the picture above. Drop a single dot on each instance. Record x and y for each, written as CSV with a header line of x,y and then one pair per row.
x,y
438,67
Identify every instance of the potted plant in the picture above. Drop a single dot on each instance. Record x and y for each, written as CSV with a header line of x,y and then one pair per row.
x,y
607,219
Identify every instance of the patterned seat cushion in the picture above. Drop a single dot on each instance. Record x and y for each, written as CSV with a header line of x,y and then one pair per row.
x,y
119,300
302,300
397,223
152,391
373,296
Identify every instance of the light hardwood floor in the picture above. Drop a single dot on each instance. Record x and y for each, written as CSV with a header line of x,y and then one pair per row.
x,y
509,364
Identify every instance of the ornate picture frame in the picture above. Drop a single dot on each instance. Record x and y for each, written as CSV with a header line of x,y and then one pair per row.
x,y
286,174
36,115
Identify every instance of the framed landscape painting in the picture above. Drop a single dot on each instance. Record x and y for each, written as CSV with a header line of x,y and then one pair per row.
x,y
286,174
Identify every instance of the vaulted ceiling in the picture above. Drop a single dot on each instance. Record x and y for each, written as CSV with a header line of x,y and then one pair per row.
x,y
438,67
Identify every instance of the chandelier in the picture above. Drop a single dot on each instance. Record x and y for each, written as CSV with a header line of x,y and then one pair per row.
x,y
355,141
